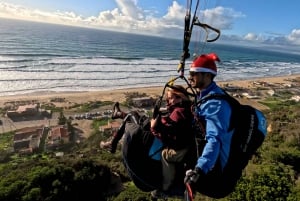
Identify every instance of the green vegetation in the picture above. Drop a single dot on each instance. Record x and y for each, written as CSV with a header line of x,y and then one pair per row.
x,y
86,107
53,180
84,172
96,123
2,111
6,140
131,95
52,108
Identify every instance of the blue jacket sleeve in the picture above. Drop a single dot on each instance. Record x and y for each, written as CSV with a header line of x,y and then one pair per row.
x,y
216,114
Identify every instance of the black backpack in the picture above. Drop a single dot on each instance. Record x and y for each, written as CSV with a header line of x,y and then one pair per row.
x,y
250,129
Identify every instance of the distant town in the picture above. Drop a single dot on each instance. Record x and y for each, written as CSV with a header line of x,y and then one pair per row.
x,y
39,127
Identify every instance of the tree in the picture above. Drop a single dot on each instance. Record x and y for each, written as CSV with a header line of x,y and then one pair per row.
x,y
271,182
62,120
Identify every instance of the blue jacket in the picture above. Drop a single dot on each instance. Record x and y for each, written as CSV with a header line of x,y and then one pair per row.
x,y
215,113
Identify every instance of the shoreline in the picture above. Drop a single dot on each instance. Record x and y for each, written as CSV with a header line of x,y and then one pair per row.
x,y
119,94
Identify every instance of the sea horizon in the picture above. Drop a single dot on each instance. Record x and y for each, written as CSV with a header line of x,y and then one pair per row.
x,y
37,57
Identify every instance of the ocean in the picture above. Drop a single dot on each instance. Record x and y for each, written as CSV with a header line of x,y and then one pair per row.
x,y
38,57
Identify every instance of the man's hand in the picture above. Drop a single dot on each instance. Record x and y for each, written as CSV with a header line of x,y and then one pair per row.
x,y
153,122
192,176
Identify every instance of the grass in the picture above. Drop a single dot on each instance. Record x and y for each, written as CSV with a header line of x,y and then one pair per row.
x,y
6,140
87,107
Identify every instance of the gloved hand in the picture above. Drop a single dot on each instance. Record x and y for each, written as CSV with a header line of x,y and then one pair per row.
x,y
192,176
156,108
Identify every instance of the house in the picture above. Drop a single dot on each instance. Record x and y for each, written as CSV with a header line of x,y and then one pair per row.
x,y
28,112
143,102
295,98
27,139
23,110
110,127
57,135
28,109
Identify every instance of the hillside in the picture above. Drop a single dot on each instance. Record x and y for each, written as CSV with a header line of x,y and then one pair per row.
x,y
85,172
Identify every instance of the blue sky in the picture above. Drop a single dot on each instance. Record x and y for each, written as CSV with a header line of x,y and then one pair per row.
x,y
240,21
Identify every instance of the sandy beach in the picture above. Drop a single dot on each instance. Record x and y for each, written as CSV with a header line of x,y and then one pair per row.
x,y
119,95
71,98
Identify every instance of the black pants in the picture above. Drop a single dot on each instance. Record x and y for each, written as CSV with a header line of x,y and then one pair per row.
x,y
132,117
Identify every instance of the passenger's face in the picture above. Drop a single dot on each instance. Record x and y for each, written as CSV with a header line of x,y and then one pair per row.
x,y
197,80
172,98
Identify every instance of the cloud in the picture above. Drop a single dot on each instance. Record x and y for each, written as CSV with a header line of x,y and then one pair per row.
x,y
130,9
250,36
122,18
220,17
275,39
294,37
129,17
23,13
254,37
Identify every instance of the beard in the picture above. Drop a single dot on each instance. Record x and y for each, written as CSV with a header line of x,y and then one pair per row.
x,y
199,85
